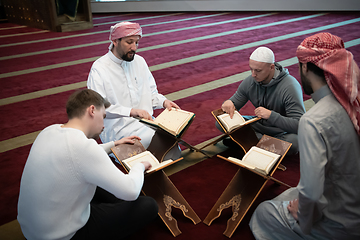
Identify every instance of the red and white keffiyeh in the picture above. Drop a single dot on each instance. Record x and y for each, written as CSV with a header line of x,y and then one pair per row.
x,y
124,29
328,52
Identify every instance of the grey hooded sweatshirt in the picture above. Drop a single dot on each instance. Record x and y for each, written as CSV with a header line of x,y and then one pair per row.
x,y
282,95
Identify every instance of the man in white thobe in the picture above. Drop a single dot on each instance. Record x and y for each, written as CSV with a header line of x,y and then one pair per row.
x,y
124,79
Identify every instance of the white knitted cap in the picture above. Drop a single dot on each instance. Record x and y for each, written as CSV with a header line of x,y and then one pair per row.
x,y
263,54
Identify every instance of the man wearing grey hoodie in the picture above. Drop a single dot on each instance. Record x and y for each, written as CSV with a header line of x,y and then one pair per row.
x,y
276,96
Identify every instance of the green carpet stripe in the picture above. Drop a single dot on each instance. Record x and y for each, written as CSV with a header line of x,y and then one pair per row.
x,y
53,50
225,33
234,78
85,34
42,93
16,73
23,97
78,35
137,19
219,83
173,21
48,67
352,43
17,142
27,139
141,49
249,45
7,28
22,34
111,16
210,24
52,39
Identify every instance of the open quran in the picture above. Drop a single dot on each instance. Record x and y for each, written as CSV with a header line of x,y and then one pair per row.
x,y
147,156
257,159
235,122
130,154
173,121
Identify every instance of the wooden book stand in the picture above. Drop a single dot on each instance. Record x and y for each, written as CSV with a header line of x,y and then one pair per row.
x,y
244,136
163,141
245,186
158,186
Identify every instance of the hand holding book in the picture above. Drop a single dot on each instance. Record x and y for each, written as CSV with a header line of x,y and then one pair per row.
x,y
228,107
147,165
170,104
147,158
172,121
130,154
236,121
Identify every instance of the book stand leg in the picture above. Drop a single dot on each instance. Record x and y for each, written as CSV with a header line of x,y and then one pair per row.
x,y
158,186
215,141
240,194
245,187
167,196
181,141
245,137
161,144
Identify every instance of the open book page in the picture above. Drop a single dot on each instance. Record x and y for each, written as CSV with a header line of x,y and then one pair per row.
x,y
231,123
145,156
173,121
240,162
258,159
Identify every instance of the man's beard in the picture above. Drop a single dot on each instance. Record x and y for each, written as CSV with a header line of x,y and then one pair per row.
x,y
127,58
306,85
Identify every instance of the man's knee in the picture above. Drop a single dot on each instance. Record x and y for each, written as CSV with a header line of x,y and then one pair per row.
x,y
260,220
261,211
149,205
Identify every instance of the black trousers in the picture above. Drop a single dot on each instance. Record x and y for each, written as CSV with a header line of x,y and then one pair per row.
x,y
112,218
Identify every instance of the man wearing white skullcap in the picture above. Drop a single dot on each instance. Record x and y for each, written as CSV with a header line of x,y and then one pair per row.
x,y
124,79
276,95
263,54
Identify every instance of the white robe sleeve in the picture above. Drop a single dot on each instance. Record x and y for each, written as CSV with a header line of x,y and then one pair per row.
x,y
107,146
157,98
100,171
97,83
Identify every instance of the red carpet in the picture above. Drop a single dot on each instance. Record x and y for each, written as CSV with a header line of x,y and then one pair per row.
x,y
17,76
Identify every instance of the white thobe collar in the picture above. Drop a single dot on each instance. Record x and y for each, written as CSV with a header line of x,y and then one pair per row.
x,y
121,62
